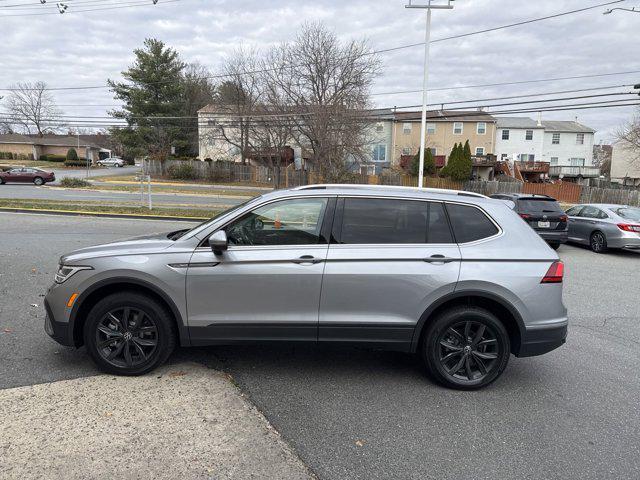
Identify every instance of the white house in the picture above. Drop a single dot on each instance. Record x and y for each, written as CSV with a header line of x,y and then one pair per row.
x,y
625,164
520,140
379,141
568,147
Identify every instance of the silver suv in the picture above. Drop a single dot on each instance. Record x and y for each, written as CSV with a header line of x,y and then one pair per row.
x,y
454,276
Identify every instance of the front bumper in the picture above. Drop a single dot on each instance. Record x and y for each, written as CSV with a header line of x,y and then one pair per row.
x,y
59,331
541,339
553,236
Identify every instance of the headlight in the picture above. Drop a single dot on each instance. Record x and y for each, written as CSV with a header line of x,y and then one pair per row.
x,y
66,271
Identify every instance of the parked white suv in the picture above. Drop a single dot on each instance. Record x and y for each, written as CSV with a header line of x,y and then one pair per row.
x,y
111,162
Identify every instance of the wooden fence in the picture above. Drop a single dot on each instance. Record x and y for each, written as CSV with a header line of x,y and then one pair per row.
x,y
227,172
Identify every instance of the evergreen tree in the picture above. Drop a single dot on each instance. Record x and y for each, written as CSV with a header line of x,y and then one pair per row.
x,y
429,163
459,166
467,150
72,154
154,88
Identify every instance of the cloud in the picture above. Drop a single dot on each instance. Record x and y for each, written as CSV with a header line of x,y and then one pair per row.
x,y
88,48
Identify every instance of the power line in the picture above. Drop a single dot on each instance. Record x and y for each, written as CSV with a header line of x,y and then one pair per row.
x,y
252,72
129,5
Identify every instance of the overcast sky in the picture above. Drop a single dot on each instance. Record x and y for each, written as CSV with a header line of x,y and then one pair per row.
x,y
77,49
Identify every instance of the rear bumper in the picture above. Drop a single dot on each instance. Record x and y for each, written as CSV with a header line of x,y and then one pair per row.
x,y
541,339
59,331
552,236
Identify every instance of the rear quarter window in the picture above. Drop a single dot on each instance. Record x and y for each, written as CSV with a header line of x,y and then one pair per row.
x,y
470,223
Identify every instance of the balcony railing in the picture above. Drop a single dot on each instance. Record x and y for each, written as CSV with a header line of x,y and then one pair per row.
x,y
568,171
533,167
484,161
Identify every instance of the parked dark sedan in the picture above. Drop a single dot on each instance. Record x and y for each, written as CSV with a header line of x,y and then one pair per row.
x,y
542,213
26,175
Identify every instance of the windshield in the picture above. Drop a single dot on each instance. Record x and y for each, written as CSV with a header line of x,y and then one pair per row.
x,y
180,233
629,213
531,205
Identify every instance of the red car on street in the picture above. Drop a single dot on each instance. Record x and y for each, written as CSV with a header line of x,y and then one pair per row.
x,y
26,175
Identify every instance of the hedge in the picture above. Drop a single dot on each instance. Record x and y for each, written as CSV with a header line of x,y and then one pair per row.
x,y
53,158
80,162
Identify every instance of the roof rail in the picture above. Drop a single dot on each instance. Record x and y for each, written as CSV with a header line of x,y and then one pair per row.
x,y
356,186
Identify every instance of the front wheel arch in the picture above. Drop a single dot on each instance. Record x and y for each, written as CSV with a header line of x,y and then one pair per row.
x,y
93,294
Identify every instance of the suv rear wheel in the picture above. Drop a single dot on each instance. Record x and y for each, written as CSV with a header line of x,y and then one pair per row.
x,y
129,334
466,348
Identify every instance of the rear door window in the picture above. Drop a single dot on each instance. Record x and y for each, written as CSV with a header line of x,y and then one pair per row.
x,y
390,221
592,212
470,223
574,211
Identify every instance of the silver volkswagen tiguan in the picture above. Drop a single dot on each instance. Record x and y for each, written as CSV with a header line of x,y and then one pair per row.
x,y
458,278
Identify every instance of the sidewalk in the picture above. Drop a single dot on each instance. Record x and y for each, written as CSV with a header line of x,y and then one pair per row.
x,y
182,421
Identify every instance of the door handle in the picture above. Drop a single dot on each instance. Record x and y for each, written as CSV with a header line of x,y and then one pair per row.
x,y
439,259
306,260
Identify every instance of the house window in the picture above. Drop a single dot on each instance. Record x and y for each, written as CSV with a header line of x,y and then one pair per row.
x,y
503,157
480,151
434,151
367,170
407,151
481,128
380,153
576,162
406,128
525,157
457,128
528,135
555,140
554,160
379,127
505,134
431,128
580,139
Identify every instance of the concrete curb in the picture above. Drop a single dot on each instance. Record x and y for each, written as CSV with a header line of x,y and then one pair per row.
x,y
80,213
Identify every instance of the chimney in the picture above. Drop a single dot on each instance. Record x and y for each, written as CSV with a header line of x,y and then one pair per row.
x,y
539,119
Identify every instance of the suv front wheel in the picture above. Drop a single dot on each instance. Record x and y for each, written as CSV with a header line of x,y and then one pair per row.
x,y
129,334
466,348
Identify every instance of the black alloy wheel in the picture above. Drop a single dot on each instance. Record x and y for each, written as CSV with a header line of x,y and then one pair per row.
x,y
126,337
129,333
466,348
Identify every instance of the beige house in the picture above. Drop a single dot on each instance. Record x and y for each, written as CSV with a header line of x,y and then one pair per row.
x,y
625,164
445,128
31,147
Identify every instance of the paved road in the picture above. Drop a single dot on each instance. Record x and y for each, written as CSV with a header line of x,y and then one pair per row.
x,y
96,172
28,191
354,413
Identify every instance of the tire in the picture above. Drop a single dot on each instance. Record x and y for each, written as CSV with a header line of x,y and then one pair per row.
x,y
155,333
1,181
38,181
555,246
598,242
460,365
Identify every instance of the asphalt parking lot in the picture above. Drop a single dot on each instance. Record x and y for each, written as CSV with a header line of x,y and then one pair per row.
x,y
352,413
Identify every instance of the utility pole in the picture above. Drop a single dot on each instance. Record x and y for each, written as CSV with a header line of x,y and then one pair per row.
x,y
425,81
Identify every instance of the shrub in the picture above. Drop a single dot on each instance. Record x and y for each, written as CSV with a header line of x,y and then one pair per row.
x,y
54,157
72,154
79,162
182,171
6,156
74,183
42,158
429,163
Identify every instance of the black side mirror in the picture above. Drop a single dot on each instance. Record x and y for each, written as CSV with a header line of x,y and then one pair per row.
x,y
218,242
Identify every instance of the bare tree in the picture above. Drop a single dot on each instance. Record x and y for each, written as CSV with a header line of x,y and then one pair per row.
x,y
199,91
629,135
326,86
32,107
236,101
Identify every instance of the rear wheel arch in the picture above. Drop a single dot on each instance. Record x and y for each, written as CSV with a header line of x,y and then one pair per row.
x,y
501,308
100,290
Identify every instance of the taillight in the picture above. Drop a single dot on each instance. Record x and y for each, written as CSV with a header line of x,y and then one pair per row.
x,y
629,228
555,273
526,216
563,218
